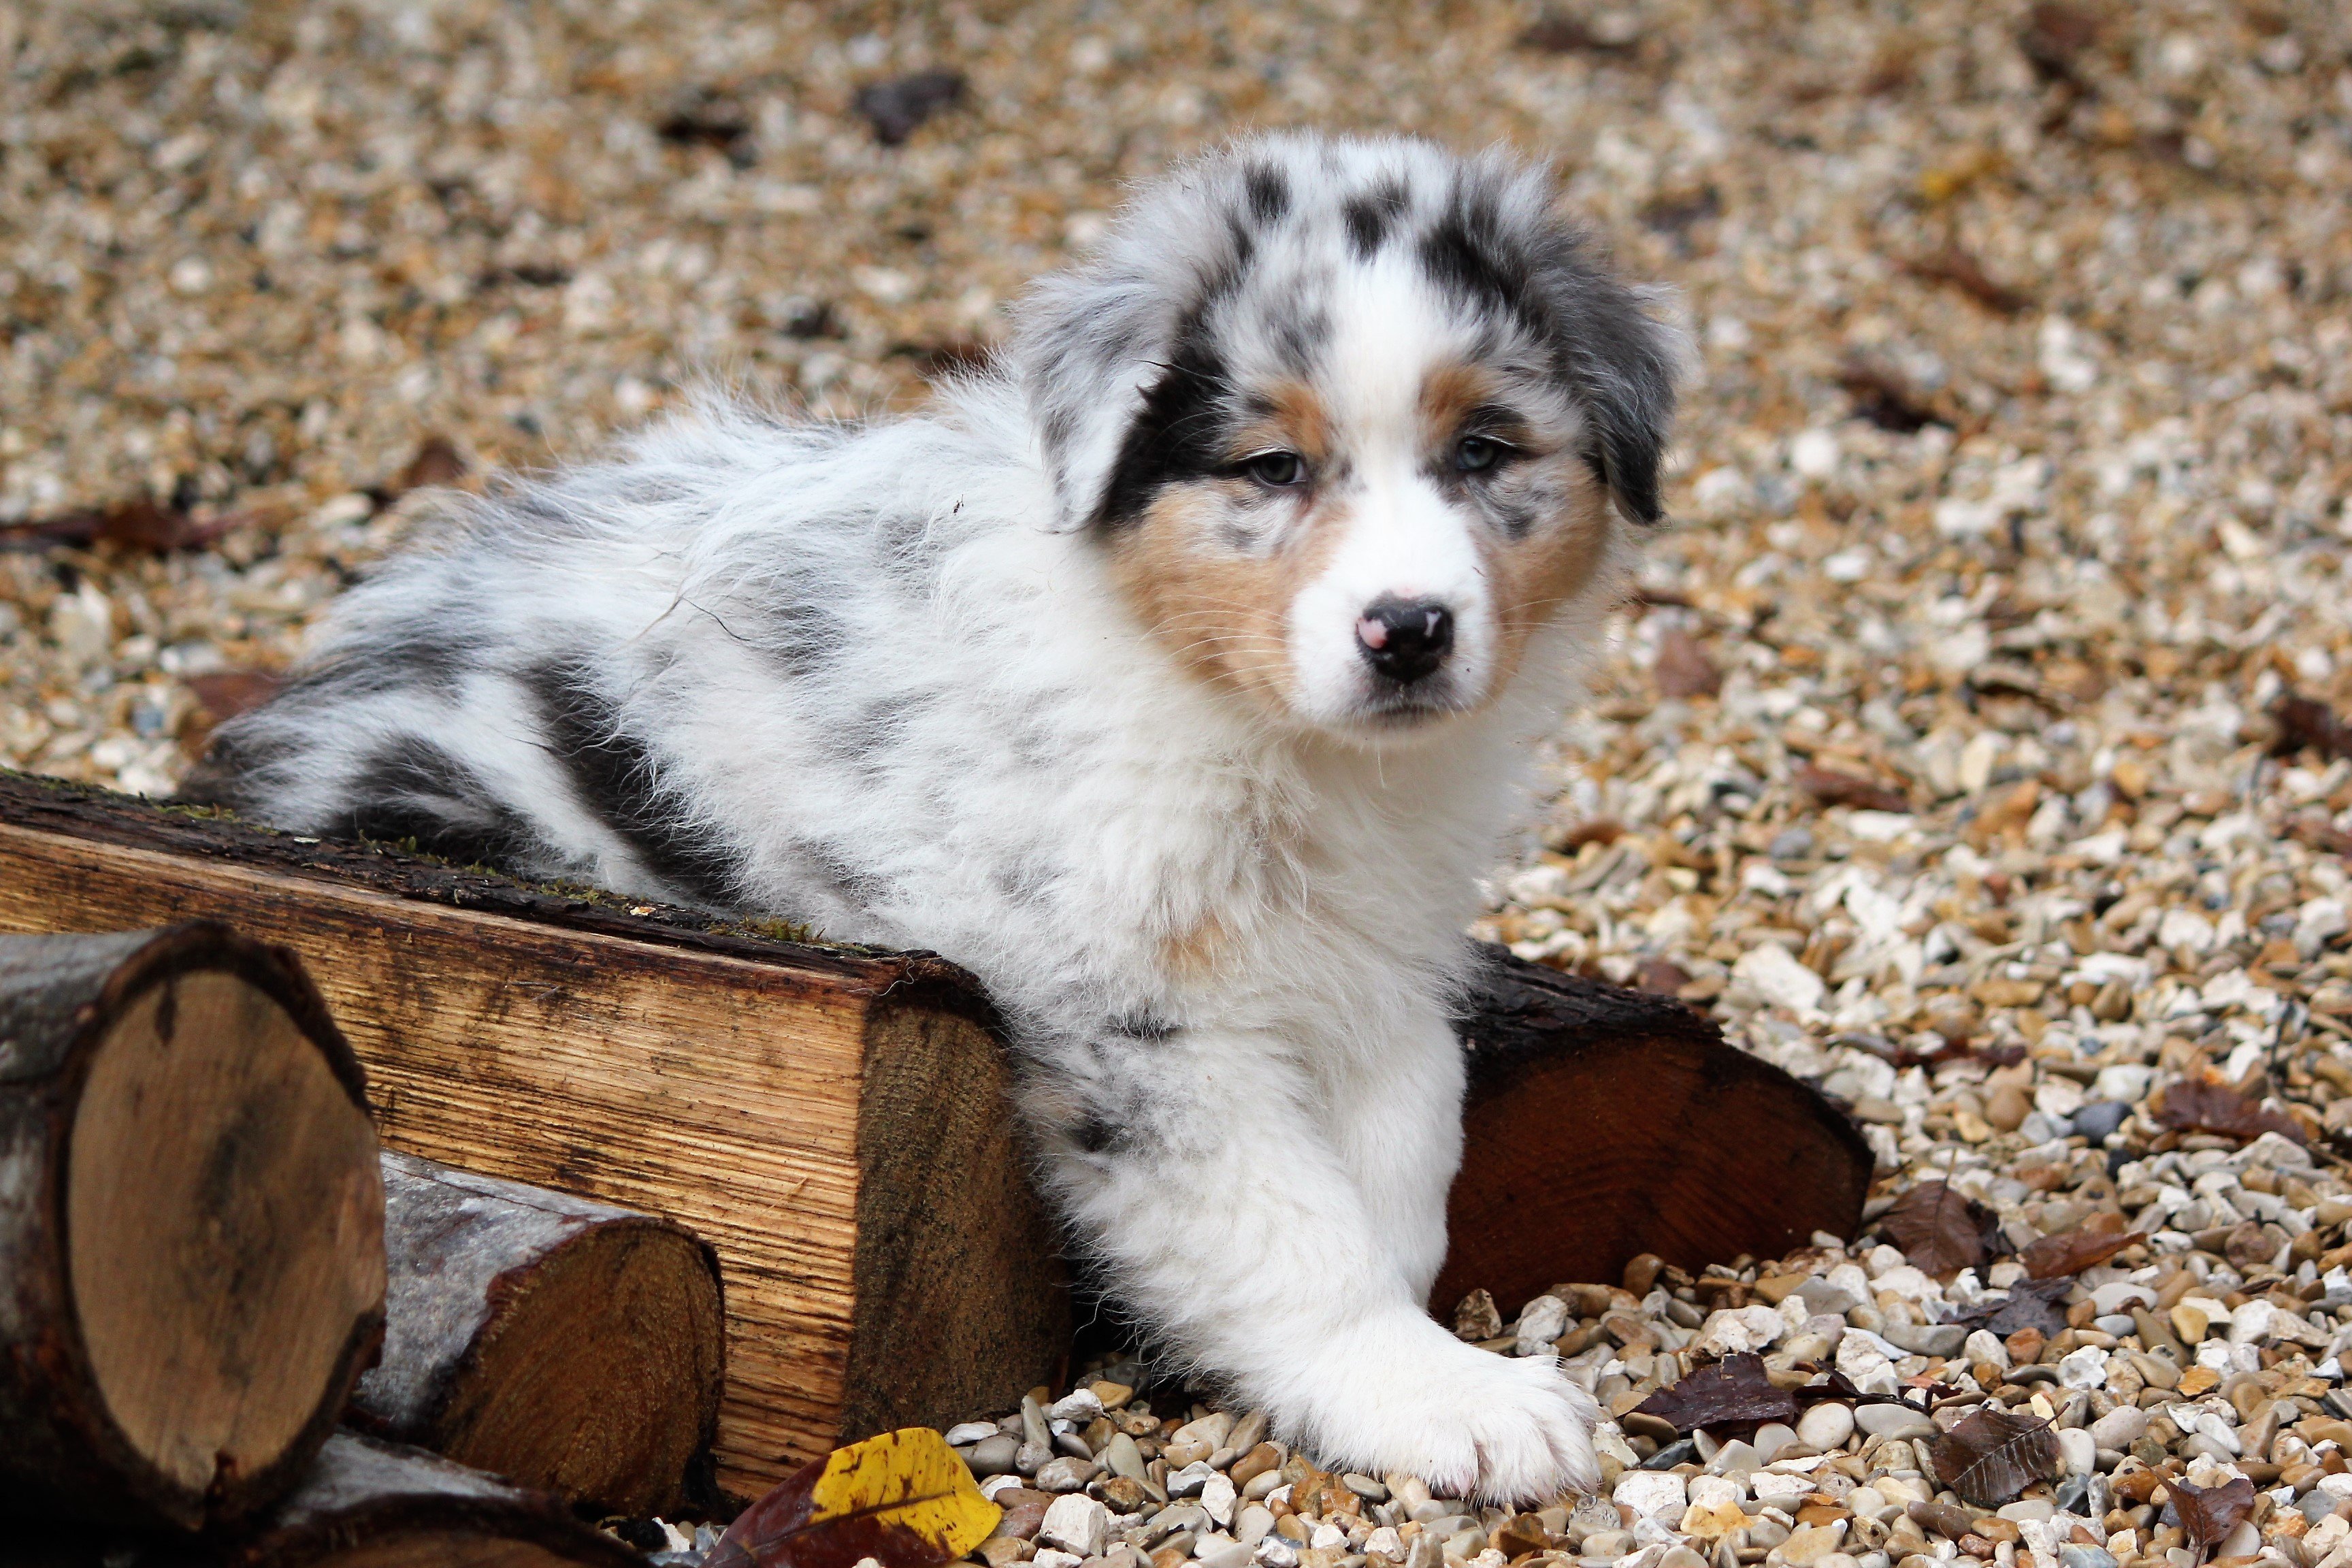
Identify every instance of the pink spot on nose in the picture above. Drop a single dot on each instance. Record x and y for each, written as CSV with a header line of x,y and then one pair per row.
x,y
1372,633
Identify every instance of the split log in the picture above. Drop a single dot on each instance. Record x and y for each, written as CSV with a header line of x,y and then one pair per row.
x,y
1601,1123
831,1120
563,1344
366,1503
191,1224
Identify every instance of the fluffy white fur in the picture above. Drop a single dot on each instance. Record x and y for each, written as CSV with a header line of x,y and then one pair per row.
x,y
897,681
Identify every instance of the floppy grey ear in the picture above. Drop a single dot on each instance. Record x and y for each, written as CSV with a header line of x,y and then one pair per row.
x,y
1083,352
1622,366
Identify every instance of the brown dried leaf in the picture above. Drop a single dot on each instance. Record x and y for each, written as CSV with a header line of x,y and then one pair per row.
x,y
2070,1252
1942,1231
1733,1392
1558,33
128,525
1993,1456
1882,396
437,462
895,108
1963,271
2039,1305
1683,669
2204,1104
903,1499
2307,722
226,693
1832,788
2208,1514
2053,36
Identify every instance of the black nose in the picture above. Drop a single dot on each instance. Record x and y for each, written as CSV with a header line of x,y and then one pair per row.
x,y
1405,639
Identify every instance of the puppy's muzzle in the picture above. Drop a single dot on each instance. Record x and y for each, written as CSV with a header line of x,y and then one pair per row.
x,y
1405,640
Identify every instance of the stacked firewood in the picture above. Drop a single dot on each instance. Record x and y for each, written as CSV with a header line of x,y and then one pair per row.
x,y
236,1331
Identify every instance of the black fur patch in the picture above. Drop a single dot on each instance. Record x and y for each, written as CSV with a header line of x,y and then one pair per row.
x,y
1370,216
1174,435
400,658
1269,193
413,789
614,777
1465,254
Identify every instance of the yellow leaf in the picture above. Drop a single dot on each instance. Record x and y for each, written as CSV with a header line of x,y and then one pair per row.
x,y
903,1499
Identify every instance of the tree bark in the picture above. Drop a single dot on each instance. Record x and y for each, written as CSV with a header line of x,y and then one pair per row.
x,y
566,1345
364,1503
191,1224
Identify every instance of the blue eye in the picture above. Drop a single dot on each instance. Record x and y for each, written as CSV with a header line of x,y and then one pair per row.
x,y
1279,469
1477,454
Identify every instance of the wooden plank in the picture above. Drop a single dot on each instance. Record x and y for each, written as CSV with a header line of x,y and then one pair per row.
x,y
740,1086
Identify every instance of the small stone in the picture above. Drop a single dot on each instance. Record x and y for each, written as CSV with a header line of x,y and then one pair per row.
x,y
1926,1338
1385,1543
1218,1496
1736,1458
992,1456
2119,1428
1365,1487
1769,1439
1609,1544
2084,1368
1681,1557
1540,1323
1869,1502
1826,1425
2036,1508
1476,1319
1065,1474
2096,1123
1887,1420
2009,1108
1112,1394
2077,1451
1081,1406
1652,1493
1123,1457
1076,1522
2074,1554
1809,1543
964,1434
1223,1552
1004,1551
1258,1461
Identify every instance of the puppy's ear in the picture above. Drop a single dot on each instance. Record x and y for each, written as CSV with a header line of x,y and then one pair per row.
x,y
1086,352
1622,366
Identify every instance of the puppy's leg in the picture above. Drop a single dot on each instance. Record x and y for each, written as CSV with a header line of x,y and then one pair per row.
x,y
1395,1117
1196,1166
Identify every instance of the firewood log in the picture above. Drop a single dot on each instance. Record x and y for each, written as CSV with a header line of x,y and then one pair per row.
x,y
1601,1123
191,1224
364,1503
563,1344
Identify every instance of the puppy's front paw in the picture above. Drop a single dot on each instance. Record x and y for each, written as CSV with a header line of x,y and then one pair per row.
x,y
1466,1421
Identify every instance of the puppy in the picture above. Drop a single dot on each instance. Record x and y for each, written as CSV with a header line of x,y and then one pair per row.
x,y
1176,677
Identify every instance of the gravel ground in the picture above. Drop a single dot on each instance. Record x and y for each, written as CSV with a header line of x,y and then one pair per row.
x,y
1949,755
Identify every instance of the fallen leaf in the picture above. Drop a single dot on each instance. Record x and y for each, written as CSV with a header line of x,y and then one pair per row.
x,y
1683,669
2208,1514
1956,266
1888,400
2035,1304
2055,33
1558,33
1733,1392
1942,1231
1832,788
226,693
903,1499
2070,1252
895,108
436,462
2210,1105
1993,1456
128,525
2306,722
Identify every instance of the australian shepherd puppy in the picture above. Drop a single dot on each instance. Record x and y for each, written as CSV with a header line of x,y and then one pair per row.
x,y
1176,677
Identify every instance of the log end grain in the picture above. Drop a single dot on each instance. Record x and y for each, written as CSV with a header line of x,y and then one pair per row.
x,y
1601,1123
213,1224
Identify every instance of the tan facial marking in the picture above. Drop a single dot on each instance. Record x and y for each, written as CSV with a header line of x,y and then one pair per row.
x,y
1555,560
1221,611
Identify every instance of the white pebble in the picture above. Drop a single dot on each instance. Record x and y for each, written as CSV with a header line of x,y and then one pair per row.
x,y
2119,1428
1081,1407
967,1432
2077,1451
1075,1522
1825,1427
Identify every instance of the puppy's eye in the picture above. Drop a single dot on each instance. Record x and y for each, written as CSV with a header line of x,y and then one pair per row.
x,y
1475,453
1279,469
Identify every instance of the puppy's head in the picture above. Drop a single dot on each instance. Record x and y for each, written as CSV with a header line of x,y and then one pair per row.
x,y
1352,421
